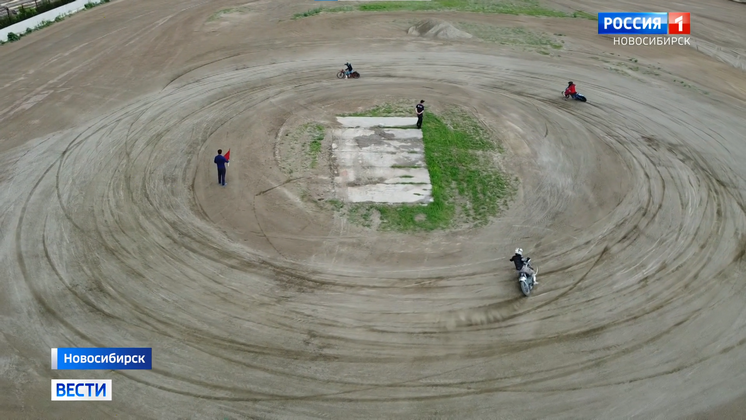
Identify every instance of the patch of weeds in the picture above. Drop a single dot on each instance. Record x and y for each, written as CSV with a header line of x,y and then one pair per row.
x,y
43,24
511,36
319,10
217,15
506,7
308,13
579,14
397,109
336,204
300,148
361,214
317,134
91,5
466,185
628,67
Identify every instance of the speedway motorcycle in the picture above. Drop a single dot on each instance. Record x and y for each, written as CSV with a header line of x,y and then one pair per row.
x,y
526,281
353,74
578,97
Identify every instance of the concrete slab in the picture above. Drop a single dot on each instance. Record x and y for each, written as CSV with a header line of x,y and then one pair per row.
x,y
366,122
381,160
380,165
389,193
369,176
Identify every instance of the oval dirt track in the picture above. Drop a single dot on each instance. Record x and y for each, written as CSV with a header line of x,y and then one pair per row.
x,y
260,304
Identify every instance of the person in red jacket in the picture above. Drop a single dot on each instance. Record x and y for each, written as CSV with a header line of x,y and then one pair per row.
x,y
570,91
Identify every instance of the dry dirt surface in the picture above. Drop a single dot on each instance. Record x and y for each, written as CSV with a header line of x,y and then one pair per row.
x,y
260,302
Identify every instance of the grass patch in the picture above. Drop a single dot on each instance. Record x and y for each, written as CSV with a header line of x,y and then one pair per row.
x,y
217,15
308,13
467,188
91,5
319,10
398,109
317,134
579,14
511,36
506,7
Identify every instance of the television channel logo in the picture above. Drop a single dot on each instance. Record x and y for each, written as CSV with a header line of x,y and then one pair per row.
x,y
635,24
644,23
679,24
81,390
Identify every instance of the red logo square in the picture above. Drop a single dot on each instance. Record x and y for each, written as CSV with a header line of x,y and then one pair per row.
x,y
679,24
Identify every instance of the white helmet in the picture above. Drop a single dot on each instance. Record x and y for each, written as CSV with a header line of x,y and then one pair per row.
x,y
519,251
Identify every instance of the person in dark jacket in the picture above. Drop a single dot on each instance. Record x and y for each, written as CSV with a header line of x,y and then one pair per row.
x,y
349,70
420,110
523,264
220,161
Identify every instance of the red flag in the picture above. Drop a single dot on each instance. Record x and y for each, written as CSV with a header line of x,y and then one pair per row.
x,y
228,154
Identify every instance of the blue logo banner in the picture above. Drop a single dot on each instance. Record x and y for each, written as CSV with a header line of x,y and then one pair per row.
x,y
633,23
93,358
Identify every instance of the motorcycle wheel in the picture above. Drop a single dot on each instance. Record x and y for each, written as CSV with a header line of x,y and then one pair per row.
x,y
341,75
524,288
355,75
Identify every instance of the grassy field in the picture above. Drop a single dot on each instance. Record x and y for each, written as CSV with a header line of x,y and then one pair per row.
x,y
506,7
511,36
468,188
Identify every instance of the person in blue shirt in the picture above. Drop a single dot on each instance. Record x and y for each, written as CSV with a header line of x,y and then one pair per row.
x,y
220,160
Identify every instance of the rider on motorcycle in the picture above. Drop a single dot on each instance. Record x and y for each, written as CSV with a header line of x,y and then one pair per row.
x,y
570,91
523,265
348,71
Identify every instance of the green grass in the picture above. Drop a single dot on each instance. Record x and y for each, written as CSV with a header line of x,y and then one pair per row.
x,y
317,134
319,10
466,185
398,109
511,35
506,7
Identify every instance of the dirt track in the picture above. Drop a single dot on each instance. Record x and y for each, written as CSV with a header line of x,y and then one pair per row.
x,y
260,304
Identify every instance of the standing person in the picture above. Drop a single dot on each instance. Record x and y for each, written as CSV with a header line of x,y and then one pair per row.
x,y
220,160
420,111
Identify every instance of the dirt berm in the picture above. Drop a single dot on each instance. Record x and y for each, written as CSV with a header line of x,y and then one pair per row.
x,y
436,28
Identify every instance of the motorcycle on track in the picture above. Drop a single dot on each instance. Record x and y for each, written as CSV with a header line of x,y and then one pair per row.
x,y
526,281
353,75
578,97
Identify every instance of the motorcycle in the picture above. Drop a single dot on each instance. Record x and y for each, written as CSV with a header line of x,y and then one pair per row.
x,y
578,97
353,74
527,282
